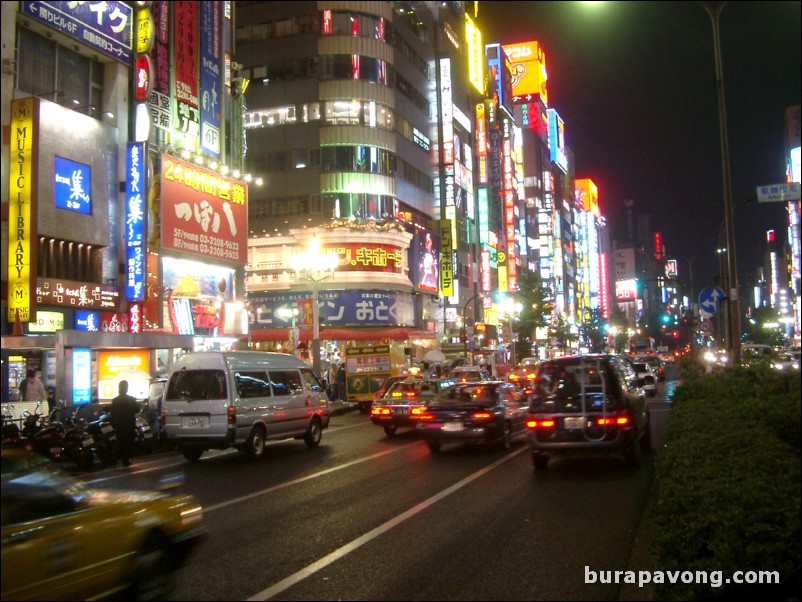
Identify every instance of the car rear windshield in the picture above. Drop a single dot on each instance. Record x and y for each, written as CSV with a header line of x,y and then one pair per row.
x,y
412,388
463,396
186,385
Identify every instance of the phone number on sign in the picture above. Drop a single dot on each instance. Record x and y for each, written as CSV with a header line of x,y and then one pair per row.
x,y
207,245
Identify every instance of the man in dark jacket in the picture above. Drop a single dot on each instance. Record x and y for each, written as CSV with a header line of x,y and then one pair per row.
x,y
124,409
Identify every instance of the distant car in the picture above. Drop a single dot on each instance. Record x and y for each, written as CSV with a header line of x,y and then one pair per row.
x,y
656,364
492,412
65,541
756,354
390,380
785,361
647,375
666,357
525,373
404,401
468,374
587,405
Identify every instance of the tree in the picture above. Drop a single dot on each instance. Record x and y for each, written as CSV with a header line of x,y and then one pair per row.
x,y
537,312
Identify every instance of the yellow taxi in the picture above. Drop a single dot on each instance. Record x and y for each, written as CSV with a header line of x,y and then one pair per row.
x,y
62,540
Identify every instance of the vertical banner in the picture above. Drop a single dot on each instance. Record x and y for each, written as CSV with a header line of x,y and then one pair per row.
x,y
446,259
22,228
185,61
135,184
159,98
210,77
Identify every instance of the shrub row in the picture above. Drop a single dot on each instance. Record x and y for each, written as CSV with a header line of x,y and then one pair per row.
x,y
728,483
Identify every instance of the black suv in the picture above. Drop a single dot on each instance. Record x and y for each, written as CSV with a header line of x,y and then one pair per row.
x,y
587,404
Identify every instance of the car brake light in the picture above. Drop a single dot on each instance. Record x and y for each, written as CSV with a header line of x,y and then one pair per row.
x,y
482,416
417,412
620,420
232,415
411,394
544,423
382,411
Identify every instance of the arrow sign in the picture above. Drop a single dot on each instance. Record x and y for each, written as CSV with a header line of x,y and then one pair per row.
x,y
709,298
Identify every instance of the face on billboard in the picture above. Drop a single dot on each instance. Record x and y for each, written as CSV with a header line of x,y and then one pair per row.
x,y
425,260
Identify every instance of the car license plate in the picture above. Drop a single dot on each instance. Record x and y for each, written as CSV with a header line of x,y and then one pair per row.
x,y
452,426
195,421
400,411
574,422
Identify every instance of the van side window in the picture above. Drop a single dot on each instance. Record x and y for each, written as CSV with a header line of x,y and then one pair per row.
x,y
252,384
186,385
286,382
310,379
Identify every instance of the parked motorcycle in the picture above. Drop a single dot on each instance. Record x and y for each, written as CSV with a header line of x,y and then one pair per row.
x,y
64,440
105,441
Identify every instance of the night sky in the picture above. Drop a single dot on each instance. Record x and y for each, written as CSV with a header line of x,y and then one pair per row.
x,y
635,83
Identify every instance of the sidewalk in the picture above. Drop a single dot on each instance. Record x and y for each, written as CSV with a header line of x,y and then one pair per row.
x,y
338,408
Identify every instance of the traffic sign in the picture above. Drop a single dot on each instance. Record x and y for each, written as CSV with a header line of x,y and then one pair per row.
x,y
709,298
778,193
705,326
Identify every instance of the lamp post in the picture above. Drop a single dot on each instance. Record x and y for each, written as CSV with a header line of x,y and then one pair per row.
x,y
314,266
465,322
713,9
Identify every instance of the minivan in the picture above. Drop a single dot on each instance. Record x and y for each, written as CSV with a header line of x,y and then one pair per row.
x,y
241,399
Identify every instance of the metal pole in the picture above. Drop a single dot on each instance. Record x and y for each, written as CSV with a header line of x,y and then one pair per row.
x,y
315,330
734,347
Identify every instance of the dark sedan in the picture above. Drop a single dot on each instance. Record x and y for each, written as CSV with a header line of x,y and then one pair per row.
x,y
587,405
472,412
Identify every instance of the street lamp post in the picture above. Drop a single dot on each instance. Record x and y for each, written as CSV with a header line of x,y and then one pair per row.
x,y
713,10
315,267
465,322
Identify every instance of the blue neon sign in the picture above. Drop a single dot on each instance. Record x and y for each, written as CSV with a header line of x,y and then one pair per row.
x,y
73,185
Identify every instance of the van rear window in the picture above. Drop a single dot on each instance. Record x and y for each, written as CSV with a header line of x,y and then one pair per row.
x,y
186,385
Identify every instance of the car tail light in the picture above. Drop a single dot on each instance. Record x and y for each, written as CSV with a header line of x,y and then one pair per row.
x,y
619,420
417,412
411,394
425,416
482,416
543,423
232,415
380,411
514,377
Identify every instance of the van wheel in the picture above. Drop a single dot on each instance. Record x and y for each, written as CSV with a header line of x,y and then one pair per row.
x,y
192,454
313,434
255,446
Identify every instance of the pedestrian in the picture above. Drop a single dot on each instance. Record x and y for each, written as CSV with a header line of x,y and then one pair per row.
x,y
124,409
332,378
341,382
32,389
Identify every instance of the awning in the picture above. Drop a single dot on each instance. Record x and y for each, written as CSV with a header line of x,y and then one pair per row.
x,y
336,334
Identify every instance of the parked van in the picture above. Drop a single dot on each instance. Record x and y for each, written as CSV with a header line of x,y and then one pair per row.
x,y
241,399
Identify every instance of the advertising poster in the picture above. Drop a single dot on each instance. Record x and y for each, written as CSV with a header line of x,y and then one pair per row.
x,y
203,213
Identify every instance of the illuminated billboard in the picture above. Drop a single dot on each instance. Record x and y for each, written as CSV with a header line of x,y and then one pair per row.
x,y
72,185
587,196
203,213
475,55
557,141
528,72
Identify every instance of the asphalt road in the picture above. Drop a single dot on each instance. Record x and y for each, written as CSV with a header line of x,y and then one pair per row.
x,y
364,517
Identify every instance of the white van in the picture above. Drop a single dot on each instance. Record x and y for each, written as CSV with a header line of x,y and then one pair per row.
x,y
221,399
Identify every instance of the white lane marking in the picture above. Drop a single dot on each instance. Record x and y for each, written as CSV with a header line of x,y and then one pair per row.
x,y
307,571
299,480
